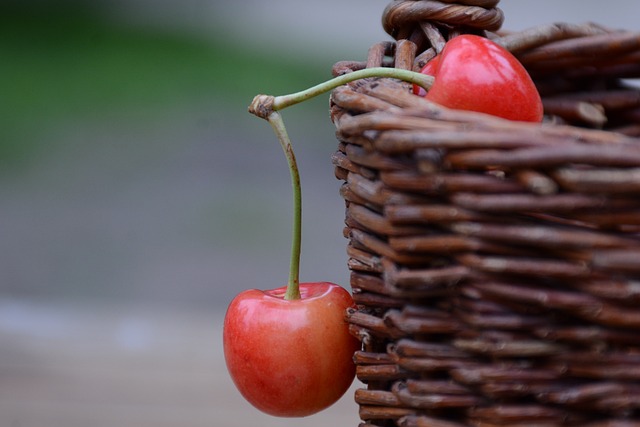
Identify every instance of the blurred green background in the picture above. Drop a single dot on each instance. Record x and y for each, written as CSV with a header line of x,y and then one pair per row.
x,y
138,196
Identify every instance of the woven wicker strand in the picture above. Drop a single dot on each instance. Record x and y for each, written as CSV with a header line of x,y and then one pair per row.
x,y
495,264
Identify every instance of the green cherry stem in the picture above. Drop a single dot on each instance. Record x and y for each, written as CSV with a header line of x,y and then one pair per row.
x,y
263,105
293,285
267,107
284,101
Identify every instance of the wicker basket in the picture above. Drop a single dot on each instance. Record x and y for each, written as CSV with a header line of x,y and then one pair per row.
x,y
496,264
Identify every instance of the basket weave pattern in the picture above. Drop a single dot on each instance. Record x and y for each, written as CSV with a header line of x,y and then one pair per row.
x,y
496,264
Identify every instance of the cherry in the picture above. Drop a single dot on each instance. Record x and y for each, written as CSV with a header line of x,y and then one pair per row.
x,y
474,73
290,358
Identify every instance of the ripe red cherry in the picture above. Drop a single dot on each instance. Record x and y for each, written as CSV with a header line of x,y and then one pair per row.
x,y
474,73
290,358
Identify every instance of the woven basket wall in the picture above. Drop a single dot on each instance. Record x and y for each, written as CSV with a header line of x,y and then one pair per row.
x,y
496,264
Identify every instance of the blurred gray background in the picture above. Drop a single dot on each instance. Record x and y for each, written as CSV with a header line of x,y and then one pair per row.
x,y
138,196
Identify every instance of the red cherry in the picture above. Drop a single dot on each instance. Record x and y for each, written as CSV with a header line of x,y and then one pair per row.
x,y
474,73
290,358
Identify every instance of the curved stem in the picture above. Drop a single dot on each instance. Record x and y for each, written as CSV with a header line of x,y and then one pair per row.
x,y
293,285
284,101
267,107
